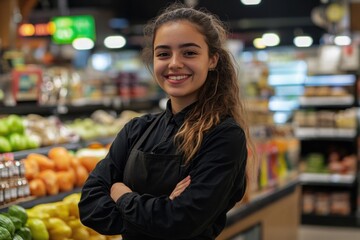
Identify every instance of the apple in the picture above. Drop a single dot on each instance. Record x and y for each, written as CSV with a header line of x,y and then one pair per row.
x,y
4,145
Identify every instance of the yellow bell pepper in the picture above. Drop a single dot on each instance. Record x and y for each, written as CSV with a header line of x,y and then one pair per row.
x,y
60,232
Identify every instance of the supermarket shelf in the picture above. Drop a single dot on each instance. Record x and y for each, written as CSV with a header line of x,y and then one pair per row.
x,y
32,201
44,150
260,201
330,220
324,179
78,109
324,133
34,108
69,146
326,101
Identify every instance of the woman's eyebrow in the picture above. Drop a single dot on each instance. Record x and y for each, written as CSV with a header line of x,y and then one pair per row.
x,y
180,46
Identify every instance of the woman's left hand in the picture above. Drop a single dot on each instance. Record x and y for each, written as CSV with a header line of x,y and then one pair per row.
x,y
118,189
180,188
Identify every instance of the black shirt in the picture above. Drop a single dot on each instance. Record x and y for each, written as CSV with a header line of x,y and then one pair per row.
x,y
217,182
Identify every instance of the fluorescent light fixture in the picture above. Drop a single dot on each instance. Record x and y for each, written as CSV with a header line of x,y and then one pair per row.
x,y
303,41
250,2
114,42
83,43
342,40
259,43
270,39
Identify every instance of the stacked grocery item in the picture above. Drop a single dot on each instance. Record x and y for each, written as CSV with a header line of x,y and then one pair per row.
x,y
100,124
324,203
60,170
48,221
13,224
334,163
60,220
13,183
13,136
32,131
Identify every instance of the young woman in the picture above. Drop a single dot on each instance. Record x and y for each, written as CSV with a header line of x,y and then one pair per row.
x,y
174,175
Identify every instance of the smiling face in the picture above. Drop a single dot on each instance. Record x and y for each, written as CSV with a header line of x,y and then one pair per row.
x,y
181,61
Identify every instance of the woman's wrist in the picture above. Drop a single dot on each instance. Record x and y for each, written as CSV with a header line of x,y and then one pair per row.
x,y
118,189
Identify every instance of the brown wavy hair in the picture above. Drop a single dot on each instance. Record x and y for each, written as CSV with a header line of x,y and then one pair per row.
x,y
219,97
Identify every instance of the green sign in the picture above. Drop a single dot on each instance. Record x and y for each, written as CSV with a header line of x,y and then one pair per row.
x,y
68,28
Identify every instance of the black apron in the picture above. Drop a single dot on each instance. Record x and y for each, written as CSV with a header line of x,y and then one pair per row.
x,y
149,173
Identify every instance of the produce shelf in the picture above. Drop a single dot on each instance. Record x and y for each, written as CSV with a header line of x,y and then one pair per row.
x,y
44,150
30,202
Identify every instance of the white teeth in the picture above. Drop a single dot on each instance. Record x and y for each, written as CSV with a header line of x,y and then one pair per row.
x,y
177,77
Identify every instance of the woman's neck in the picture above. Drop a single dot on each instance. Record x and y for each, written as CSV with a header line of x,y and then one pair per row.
x,y
177,106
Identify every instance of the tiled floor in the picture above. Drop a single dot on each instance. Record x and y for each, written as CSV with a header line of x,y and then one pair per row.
x,y
328,233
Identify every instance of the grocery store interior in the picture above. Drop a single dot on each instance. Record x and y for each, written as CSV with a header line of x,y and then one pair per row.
x,y
71,76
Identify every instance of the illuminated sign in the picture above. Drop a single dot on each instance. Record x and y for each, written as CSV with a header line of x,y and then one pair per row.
x,y
36,30
69,28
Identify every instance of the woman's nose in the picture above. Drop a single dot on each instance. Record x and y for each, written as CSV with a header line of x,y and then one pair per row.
x,y
176,62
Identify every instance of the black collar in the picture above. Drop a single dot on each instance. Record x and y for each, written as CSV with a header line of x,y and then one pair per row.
x,y
179,117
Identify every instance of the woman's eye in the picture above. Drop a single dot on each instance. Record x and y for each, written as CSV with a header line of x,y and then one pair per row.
x,y
190,53
162,54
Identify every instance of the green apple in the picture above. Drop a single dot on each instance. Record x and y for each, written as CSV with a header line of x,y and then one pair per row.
x,y
4,145
17,141
15,124
4,130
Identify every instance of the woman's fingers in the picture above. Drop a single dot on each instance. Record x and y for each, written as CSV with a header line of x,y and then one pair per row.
x,y
180,187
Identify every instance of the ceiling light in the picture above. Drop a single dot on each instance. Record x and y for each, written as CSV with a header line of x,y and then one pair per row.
x,y
342,40
303,41
270,39
114,42
250,2
83,43
259,43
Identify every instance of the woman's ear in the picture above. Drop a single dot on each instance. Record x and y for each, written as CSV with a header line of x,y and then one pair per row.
x,y
213,61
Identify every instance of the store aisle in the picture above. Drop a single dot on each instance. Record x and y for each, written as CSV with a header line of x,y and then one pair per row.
x,y
328,233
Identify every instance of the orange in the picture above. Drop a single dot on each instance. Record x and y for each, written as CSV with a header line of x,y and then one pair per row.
x,y
43,161
65,181
50,179
31,168
37,188
61,158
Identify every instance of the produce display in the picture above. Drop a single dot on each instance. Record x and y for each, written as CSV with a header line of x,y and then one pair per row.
x,y
13,224
60,221
48,130
33,131
100,124
48,221
13,136
60,170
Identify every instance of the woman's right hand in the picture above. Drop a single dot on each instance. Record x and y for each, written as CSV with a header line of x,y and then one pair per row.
x,y
180,187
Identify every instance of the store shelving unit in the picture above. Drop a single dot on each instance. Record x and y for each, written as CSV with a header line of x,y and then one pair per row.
x,y
76,110
318,138
30,202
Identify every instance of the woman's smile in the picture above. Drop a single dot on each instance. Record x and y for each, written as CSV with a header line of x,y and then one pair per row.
x,y
177,79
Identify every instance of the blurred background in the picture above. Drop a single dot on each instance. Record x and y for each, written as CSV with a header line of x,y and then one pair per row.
x,y
71,75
